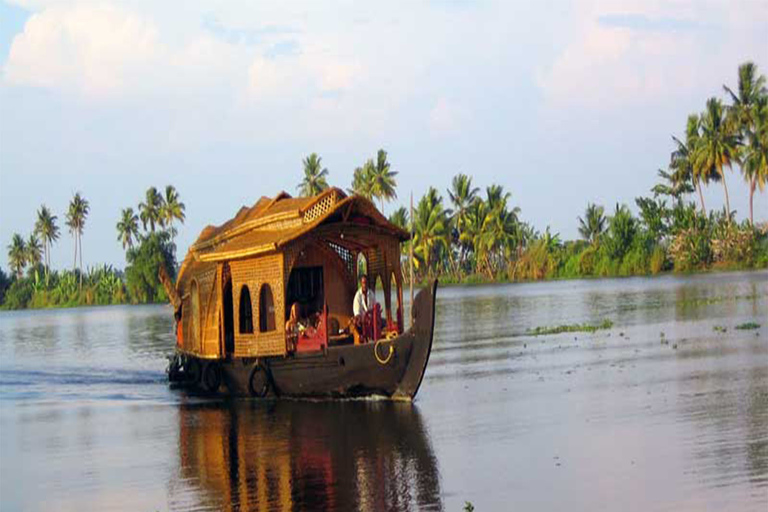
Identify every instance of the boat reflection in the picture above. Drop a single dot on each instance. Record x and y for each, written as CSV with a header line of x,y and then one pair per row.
x,y
301,455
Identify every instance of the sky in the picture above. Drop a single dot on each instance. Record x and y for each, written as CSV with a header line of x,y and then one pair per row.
x,y
562,103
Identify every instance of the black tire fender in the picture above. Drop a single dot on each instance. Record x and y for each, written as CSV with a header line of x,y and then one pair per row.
x,y
212,377
258,381
193,370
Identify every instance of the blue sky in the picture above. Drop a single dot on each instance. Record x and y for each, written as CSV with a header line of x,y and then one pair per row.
x,y
563,103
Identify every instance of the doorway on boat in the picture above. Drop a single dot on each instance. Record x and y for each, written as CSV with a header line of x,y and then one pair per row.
x,y
229,317
305,288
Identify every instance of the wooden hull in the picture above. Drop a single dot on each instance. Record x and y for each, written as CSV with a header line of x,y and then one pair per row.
x,y
371,369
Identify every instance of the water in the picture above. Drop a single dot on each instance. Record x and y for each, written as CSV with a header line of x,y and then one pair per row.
x,y
622,419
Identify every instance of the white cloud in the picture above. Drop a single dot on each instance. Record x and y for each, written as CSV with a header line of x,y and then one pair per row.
x,y
631,52
96,49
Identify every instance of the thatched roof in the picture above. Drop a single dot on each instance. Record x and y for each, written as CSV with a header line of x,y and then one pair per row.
x,y
271,223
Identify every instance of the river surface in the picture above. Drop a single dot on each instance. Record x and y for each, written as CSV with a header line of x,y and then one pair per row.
x,y
666,410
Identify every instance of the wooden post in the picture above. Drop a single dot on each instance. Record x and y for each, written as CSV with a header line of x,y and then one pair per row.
x,y
410,258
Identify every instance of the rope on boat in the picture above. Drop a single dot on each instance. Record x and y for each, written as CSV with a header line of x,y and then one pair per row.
x,y
386,360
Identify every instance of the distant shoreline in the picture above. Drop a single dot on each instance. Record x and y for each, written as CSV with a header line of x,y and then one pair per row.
x,y
453,284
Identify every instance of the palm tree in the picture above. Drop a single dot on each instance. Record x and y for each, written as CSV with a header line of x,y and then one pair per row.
x,y
674,184
496,196
462,195
172,209
718,145
430,233
151,209
593,223
362,181
683,160
128,228
34,251
17,255
47,229
744,116
76,215
500,229
383,179
314,180
400,218
755,165
472,235
751,87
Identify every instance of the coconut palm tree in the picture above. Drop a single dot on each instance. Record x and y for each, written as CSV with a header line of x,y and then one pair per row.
x,y
46,228
34,251
462,196
673,184
128,228
751,87
593,223
755,164
150,211
383,179
718,145
17,255
500,231
683,161
495,196
743,116
430,227
362,181
171,209
472,235
315,175
76,215
400,218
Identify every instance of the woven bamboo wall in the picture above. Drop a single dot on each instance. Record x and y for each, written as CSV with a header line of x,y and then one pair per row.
x,y
254,273
201,334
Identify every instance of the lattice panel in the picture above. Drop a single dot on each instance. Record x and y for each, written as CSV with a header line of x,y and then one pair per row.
x,y
320,208
346,256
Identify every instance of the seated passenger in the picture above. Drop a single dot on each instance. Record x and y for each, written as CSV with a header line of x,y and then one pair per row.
x,y
293,325
364,299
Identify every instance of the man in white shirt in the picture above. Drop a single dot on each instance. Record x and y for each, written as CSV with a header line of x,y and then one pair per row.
x,y
364,298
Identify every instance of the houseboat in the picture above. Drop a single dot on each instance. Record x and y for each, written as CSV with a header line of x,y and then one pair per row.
x,y
264,304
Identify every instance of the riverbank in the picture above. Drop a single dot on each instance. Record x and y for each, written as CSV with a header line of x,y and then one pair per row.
x,y
480,280
44,299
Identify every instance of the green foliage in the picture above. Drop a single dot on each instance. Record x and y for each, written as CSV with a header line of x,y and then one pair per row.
x,y
622,228
748,325
18,295
541,330
144,260
5,282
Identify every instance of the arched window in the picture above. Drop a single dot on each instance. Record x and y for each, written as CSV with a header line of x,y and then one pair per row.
x,y
246,311
266,309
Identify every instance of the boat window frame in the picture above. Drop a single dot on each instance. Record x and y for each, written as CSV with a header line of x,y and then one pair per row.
x,y
265,314
245,320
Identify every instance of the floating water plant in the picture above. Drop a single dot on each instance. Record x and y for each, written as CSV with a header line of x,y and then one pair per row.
x,y
748,325
605,324
719,328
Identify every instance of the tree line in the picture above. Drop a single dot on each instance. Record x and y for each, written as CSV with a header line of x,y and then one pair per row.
x,y
468,235
146,247
474,235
